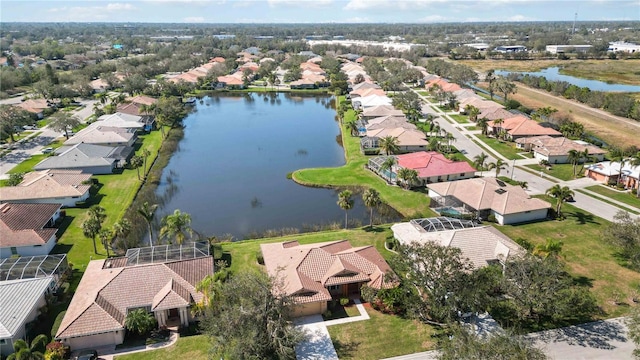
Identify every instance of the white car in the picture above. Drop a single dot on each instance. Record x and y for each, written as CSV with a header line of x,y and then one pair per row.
x,y
47,150
30,127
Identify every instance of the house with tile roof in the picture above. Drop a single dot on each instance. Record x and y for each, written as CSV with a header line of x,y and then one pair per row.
x,y
613,172
111,288
34,106
520,126
555,150
122,120
313,274
88,158
28,229
482,197
384,122
98,134
431,167
409,140
65,187
379,111
482,245
370,101
20,301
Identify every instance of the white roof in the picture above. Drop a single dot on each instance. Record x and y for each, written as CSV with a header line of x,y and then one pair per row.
x,y
17,300
612,168
121,120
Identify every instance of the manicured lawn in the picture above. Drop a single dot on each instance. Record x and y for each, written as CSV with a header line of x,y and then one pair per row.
x,y
472,128
460,119
380,337
192,347
558,171
423,93
623,197
27,165
408,203
507,149
590,258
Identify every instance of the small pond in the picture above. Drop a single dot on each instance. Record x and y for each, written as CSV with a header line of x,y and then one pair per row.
x,y
230,172
553,74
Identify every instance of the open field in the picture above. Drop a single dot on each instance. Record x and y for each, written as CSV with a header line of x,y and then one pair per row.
x,y
616,71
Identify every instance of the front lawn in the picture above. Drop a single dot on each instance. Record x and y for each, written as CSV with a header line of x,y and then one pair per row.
x,y
192,347
558,171
507,149
590,258
380,337
623,197
460,119
408,203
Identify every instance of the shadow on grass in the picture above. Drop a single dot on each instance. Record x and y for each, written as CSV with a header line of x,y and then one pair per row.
x,y
64,225
374,229
582,218
583,281
346,349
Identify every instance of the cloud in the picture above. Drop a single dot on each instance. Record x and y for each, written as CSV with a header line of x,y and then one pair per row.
x,y
300,3
388,4
90,13
119,6
194,19
434,18
520,18
357,19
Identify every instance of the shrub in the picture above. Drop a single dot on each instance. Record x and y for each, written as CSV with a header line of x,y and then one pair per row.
x,y
491,218
344,301
390,243
327,314
368,294
260,258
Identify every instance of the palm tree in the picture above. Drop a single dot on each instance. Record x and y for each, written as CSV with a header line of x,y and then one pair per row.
x,y
147,212
618,155
490,78
25,352
176,225
105,236
92,226
499,165
371,199
139,321
496,126
135,162
408,176
551,248
122,228
352,126
473,113
145,154
346,203
574,157
389,145
434,144
484,125
387,165
450,139
479,161
561,194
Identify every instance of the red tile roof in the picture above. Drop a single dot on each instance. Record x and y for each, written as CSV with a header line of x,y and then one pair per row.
x,y
24,224
431,163
520,125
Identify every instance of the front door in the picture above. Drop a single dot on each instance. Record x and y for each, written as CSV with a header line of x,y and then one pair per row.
x,y
173,313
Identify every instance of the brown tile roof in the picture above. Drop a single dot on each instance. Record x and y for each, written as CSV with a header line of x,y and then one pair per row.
x,y
24,224
555,146
142,100
306,270
47,184
490,193
105,293
523,126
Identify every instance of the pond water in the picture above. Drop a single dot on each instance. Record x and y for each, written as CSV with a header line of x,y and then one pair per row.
x,y
230,172
553,74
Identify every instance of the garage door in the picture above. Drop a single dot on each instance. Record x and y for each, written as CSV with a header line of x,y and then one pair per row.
x,y
308,309
92,341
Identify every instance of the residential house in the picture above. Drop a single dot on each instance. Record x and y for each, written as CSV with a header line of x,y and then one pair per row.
x,y
482,245
555,150
362,92
612,172
65,187
380,111
303,84
147,120
144,279
99,86
122,120
370,101
409,140
28,229
520,126
384,122
233,81
483,197
88,158
313,274
20,301
431,167
34,106
98,134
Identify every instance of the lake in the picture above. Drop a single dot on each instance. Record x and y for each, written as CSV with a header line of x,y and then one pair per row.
x,y
553,74
230,172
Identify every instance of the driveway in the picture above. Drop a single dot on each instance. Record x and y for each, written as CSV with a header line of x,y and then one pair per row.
x,y
318,345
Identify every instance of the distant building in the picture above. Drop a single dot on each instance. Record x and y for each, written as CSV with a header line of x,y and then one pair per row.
x,y
511,48
621,46
560,49
478,46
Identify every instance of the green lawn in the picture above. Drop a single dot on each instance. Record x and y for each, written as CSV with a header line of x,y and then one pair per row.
x,y
623,197
590,258
381,336
423,93
408,203
27,165
192,347
472,128
460,119
558,171
507,149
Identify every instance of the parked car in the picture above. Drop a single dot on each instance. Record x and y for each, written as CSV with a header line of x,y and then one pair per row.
x,y
30,127
87,355
47,150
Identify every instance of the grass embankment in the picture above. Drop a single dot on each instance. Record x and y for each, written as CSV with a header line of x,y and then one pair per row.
x,y
623,197
589,257
507,149
354,173
558,171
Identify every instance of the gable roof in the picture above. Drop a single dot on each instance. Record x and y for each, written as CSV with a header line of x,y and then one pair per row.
x,y
432,163
142,100
406,137
490,193
82,155
121,120
97,133
18,298
105,293
306,270
381,110
24,224
481,245
555,146
520,125
47,184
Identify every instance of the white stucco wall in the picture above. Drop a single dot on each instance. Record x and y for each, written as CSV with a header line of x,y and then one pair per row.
x,y
30,250
520,217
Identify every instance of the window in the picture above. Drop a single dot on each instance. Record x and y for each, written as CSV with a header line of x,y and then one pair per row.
x,y
14,250
3,341
334,287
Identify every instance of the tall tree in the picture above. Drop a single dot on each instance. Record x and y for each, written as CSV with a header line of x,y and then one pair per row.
x,y
387,167
633,324
407,176
490,79
147,212
371,199
121,229
484,125
145,154
106,236
64,121
345,201
479,162
13,118
253,321
635,161
561,193
505,87
574,157
136,162
499,165
15,179
389,145
93,224
624,232
176,226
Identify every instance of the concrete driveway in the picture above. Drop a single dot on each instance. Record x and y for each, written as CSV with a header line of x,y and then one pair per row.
x,y
318,345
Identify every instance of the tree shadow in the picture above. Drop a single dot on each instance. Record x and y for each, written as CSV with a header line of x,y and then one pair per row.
x,y
582,218
374,229
64,225
598,335
346,349
583,281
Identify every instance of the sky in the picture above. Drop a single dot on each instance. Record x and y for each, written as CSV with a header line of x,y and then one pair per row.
x,y
315,11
